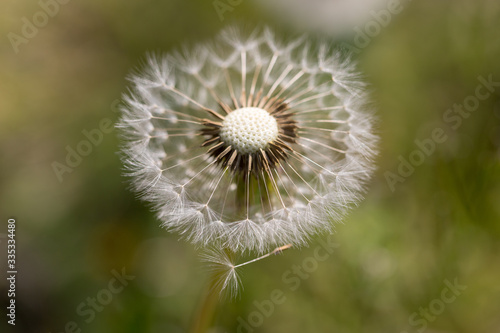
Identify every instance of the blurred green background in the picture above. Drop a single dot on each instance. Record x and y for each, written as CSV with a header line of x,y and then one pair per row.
x,y
393,253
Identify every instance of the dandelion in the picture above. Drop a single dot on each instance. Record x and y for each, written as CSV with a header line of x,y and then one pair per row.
x,y
249,142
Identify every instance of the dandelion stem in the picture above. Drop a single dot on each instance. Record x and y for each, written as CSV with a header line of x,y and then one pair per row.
x,y
207,306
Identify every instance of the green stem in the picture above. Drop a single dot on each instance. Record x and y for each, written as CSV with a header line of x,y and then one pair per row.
x,y
206,310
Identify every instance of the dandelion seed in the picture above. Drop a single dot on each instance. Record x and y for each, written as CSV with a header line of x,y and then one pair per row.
x,y
221,265
249,143
226,272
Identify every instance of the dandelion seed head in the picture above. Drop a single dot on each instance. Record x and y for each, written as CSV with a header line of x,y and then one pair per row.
x,y
249,142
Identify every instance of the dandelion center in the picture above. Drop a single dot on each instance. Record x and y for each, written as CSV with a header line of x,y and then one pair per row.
x,y
249,130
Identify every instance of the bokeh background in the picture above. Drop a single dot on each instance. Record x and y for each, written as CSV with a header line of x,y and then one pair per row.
x,y
393,253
